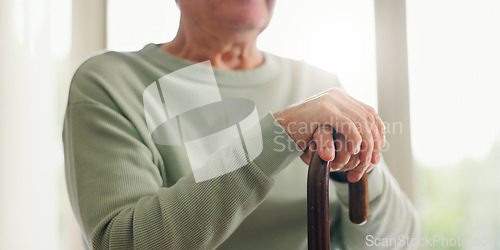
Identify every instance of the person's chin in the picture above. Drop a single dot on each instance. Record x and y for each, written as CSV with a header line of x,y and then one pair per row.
x,y
249,21
248,26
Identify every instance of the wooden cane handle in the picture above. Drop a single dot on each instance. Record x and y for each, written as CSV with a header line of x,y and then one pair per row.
x,y
318,221
359,204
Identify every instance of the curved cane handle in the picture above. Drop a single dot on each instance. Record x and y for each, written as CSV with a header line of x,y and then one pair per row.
x,y
358,201
318,223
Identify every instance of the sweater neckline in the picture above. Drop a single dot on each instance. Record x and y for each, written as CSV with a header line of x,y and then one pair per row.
x,y
228,78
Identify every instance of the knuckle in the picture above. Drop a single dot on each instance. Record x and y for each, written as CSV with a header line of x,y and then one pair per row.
x,y
358,119
380,122
368,143
322,101
316,136
353,133
352,167
342,158
331,95
365,131
325,102
336,91
357,137
371,110
369,118
324,107
335,166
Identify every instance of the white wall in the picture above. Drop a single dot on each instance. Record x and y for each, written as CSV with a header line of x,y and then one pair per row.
x,y
28,132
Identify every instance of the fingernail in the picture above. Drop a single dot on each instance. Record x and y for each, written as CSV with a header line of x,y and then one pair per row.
x,y
370,170
352,178
330,150
337,167
365,159
356,150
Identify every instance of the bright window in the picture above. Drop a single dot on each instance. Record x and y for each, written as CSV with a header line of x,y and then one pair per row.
x,y
454,60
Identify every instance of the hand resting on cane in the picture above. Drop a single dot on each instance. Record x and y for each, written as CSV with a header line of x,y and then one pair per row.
x,y
360,131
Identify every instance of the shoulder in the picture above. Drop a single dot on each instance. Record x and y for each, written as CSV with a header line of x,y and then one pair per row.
x,y
106,63
99,75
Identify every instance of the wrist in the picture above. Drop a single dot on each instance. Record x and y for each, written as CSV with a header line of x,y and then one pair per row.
x,y
289,126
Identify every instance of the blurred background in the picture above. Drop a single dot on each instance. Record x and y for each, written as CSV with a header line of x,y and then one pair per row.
x,y
431,67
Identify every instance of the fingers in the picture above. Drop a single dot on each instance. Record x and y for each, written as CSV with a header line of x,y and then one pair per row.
x,y
377,147
372,130
359,123
365,123
368,133
344,125
342,155
370,168
370,150
378,121
355,174
362,120
351,164
342,159
367,143
306,156
323,138
355,168
378,131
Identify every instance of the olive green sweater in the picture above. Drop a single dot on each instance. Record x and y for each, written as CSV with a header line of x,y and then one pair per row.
x,y
128,192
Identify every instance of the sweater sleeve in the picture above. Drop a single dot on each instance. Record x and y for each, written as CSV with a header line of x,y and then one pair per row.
x,y
121,202
392,216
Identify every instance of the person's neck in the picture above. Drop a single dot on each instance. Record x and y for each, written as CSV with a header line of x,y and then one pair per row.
x,y
225,50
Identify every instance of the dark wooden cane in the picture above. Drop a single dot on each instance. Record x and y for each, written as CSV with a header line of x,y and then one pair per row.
x,y
318,222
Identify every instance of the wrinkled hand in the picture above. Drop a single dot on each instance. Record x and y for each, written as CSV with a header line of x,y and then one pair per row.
x,y
344,161
358,123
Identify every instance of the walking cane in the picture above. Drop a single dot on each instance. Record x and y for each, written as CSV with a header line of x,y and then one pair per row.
x,y
318,223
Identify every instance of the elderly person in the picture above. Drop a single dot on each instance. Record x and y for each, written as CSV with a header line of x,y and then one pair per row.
x,y
129,192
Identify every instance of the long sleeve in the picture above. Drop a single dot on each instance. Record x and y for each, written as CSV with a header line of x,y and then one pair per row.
x,y
121,202
392,216
128,192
